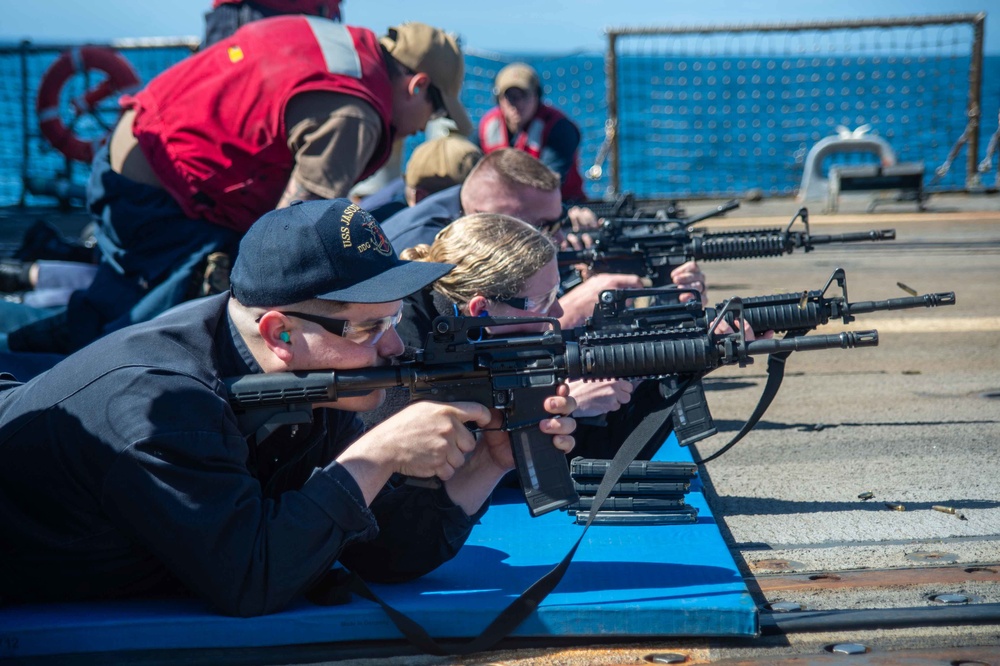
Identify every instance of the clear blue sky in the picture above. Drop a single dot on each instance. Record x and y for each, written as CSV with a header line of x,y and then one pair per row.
x,y
509,26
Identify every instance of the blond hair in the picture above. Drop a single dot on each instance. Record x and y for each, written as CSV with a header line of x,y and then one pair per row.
x,y
494,256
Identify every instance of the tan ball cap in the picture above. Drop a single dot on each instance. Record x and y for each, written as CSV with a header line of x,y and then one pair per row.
x,y
516,75
441,163
434,52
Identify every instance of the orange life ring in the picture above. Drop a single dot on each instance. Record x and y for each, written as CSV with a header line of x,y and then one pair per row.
x,y
122,78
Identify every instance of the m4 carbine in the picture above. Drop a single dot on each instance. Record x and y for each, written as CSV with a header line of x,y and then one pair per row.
x,y
514,375
624,212
804,311
652,248
792,314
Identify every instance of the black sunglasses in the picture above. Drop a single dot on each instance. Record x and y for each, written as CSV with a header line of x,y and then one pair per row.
x,y
515,95
550,227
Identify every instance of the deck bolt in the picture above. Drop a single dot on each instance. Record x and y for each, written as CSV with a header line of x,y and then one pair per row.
x,y
950,598
665,658
847,648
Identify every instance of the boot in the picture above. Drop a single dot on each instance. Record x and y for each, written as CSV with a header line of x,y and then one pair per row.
x,y
14,276
43,241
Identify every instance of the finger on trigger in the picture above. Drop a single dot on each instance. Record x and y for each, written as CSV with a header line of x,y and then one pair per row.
x,y
466,441
456,458
473,411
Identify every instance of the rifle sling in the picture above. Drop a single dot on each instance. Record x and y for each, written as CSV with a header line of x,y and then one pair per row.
x,y
775,373
519,609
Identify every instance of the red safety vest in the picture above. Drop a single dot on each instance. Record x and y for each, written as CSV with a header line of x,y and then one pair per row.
x,y
327,8
493,135
213,126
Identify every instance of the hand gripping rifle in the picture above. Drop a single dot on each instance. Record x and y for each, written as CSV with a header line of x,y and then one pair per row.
x,y
514,375
652,248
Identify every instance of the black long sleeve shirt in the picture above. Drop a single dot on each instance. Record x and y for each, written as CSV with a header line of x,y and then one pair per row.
x,y
125,472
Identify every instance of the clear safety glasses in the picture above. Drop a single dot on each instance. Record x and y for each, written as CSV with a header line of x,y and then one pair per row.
x,y
535,304
366,333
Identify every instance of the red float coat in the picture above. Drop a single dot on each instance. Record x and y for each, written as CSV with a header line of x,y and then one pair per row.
x,y
493,135
213,126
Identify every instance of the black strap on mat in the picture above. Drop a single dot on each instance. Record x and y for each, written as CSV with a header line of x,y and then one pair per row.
x,y
519,609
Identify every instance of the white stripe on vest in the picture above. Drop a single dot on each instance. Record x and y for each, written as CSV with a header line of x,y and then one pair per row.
x,y
494,137
535,134
337,46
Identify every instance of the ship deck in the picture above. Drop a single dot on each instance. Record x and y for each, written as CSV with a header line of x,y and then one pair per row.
x,y
915,422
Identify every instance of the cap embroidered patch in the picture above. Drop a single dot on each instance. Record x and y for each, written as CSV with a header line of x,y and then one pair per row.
x,y
328,249
371,232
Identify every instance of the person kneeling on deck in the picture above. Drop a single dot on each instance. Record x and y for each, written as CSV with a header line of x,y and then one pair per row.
x,y
288,108
126,473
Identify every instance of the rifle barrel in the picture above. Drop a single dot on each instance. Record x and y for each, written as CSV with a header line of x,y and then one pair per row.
x,y
718,210
925,301
857,237
784,312
638,360
845,340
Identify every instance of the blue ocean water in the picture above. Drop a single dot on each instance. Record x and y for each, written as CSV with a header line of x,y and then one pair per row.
x,y
691,126
688,126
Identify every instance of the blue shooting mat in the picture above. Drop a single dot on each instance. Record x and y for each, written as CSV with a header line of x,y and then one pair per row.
x,y
629,581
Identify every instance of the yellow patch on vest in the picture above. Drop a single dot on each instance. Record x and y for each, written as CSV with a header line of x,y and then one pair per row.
x,y
235,54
